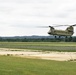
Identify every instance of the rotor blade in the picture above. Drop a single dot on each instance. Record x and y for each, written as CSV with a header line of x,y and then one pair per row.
x,y
42,26
56,25
60,25
74,25
63,25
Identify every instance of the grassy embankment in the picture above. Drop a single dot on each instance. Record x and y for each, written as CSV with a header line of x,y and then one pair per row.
x,y
44,46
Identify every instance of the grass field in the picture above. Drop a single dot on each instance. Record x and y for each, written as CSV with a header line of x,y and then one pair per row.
x,y
22,66
10,65
44,46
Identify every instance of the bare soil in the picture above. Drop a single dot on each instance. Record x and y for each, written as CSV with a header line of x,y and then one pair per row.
x,y
58,56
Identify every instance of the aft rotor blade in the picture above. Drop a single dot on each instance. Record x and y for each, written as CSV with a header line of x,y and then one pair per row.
x,y
74,25
55,25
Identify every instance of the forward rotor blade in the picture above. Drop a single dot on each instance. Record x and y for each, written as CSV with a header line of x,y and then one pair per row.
x,y
42,26
56,25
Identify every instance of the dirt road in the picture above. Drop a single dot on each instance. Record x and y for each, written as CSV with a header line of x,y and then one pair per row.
x,y
59,56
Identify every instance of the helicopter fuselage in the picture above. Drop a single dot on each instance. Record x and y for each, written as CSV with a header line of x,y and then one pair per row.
x,y
60,33
67,32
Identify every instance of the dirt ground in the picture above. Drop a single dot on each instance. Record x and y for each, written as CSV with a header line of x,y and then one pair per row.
x,y
59,56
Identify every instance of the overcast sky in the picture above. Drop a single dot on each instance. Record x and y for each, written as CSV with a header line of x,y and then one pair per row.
x,y
20,17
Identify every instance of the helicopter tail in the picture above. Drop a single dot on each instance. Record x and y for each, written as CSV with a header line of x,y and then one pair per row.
x,y
70,29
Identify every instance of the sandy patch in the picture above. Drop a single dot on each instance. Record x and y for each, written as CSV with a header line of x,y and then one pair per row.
x,y
59,56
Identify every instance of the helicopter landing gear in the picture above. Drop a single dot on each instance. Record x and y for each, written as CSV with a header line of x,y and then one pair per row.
x,y
59,37
65,37
68,38
55,37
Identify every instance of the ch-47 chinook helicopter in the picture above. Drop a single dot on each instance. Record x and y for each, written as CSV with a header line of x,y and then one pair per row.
x,y
68,32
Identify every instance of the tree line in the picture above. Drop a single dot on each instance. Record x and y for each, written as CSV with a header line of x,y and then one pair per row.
x,y
73,39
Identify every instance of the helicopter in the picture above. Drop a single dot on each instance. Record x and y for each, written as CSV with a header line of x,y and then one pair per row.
x,y
68,32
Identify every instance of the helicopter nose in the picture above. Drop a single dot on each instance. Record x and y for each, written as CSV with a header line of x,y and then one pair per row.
x,y
49,32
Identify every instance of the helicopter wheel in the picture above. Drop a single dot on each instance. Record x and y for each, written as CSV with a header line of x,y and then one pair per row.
x,y
55,37
70,38
59,37
66,37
